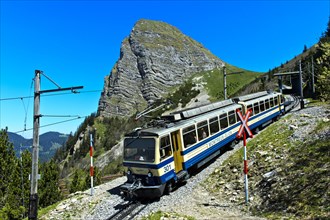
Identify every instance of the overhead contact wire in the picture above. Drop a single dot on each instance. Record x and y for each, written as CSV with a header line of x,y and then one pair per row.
x,y
51,124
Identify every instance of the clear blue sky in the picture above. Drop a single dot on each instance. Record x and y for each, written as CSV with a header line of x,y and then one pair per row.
x,y
78,42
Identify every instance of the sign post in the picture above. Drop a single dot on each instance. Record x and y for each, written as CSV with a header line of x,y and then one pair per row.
x,y
244,128
91,167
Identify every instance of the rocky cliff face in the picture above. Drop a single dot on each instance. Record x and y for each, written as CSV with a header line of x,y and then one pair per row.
x,y
153,58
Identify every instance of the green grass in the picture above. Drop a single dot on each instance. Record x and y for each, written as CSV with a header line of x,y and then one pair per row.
x,y
44,211
322,125
168,35
235,82
166,215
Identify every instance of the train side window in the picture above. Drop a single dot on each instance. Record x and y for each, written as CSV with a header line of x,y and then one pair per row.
x,y
223,121
262,106
256,108
165,147
202,130
250,107
189,135
275,101
271,101
267,103
214,125
232,117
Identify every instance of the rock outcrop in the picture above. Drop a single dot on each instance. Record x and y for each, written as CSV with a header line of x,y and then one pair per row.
x,y
153,58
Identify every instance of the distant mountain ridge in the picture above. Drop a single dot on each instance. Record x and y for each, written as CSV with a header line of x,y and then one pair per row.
x,y
49,142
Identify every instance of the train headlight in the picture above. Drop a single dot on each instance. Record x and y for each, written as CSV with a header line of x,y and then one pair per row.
x,y
149,174
129,172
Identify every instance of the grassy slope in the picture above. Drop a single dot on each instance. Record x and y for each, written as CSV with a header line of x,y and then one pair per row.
x,y
299,187
235,82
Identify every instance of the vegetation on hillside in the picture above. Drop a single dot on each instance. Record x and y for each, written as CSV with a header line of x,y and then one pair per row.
x,y
315,59
288,175
323,85
168,35
164,215
15,184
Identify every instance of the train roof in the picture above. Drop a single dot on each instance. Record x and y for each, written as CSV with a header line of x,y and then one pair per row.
x,y
255,96
164,127
189,116
261,98
196,111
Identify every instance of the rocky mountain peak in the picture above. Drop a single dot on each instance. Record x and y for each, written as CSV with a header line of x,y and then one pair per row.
x,y
155,57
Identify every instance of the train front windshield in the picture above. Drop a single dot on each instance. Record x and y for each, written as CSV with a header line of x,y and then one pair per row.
x,y
139,149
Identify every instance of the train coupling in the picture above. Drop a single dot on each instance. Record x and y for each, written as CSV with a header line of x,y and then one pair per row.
x,y
128,189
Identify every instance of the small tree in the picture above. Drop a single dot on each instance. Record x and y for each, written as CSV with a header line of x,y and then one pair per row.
x,y
79,181
10,181
323,79
305,48
75,182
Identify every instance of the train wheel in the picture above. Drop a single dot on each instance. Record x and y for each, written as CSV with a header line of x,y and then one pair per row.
x,y
256,131
276,118
231,146
168,188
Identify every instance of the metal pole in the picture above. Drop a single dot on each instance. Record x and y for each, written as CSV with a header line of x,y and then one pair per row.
x,y
22,180
33,205
224,83
301,87
245,170
91,168
280,85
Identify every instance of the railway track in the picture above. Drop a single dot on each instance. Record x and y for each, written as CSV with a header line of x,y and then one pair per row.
x,y
128,210
291,102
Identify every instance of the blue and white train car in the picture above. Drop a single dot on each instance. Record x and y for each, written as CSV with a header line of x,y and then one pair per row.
x,y
158,157
266,107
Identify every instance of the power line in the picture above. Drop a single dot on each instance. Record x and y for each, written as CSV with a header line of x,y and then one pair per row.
x,y
47,125
65,93
26,108
14,98
60,116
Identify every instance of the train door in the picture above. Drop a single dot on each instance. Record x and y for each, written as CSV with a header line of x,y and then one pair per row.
x,y
178,158
280,102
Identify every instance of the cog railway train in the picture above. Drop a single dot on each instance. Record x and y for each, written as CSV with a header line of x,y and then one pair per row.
x,y
159,157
